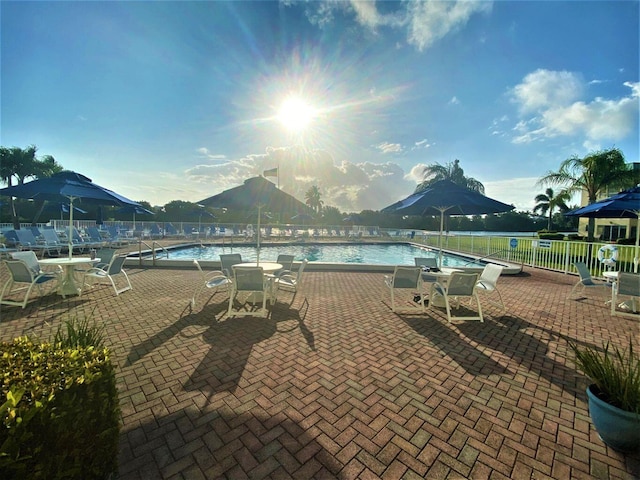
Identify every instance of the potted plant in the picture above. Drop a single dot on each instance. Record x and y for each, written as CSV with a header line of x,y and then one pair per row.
x,y
614,395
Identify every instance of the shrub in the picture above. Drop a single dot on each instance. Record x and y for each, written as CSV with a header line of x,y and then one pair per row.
x,y
61,415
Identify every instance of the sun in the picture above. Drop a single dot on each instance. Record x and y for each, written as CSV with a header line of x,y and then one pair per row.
x,y
295,114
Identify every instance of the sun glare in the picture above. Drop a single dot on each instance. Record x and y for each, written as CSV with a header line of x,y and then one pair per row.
x,y
295,114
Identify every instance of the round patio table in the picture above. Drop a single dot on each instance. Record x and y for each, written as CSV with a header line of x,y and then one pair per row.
x,y
67,285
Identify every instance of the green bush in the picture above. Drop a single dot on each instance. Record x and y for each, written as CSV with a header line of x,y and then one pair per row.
x,y
61,414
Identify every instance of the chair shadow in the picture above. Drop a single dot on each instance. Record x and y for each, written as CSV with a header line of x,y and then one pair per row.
x,y
508,335
230,341
448,341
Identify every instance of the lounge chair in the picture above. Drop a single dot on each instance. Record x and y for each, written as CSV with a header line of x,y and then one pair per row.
x,y
113,269
20,272
405,278
487,286
84,244
587,282
459,285
95,236
51,239
627,284
211,280
250,285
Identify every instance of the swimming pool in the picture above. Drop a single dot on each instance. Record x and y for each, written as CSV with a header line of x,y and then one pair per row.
x,y
351,253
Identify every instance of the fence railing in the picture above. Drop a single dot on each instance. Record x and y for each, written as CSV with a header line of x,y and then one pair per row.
x,y
557,255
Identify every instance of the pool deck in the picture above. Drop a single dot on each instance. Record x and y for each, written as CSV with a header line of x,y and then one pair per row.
x,y
333,385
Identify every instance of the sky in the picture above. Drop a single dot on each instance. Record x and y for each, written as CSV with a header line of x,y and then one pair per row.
x,y
170,100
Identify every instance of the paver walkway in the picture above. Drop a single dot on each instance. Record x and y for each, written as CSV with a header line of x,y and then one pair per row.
x,y
335,385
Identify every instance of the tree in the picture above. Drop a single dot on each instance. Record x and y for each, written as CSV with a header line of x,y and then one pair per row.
x,y
22,164
592,174
547,202
312,198
450,171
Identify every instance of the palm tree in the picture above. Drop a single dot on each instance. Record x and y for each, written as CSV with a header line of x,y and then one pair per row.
x,y
547,202
312,198
450,171
592,174
22,164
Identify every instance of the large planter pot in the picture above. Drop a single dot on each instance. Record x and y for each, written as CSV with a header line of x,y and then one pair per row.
x,y
617,428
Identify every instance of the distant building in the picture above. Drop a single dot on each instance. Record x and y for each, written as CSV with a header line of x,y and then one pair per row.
x,y
611,229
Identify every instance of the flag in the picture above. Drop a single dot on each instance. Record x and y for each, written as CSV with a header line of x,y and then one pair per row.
x,y
271,173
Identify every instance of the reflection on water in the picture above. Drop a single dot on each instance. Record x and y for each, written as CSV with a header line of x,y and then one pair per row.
x,y
371,254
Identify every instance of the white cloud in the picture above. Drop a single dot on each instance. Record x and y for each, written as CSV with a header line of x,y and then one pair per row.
x,y
425,21
432,20
348,186
387,147
454,101
552,105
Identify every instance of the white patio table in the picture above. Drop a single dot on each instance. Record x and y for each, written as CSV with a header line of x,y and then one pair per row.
x,y
67,285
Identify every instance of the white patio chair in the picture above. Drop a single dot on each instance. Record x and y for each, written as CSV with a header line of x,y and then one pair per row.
x,y
587,281
405,278
249,286
628,285
227,261
286,261
22,273
487,286
211,280
459,285
288,280
113,269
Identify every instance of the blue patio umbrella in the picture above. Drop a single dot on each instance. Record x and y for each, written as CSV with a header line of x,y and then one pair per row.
x,y
445,196
61,208
135,210
67,186
625,204
302,217
201,212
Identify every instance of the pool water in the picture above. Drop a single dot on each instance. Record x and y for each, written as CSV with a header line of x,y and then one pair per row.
x,y
370,254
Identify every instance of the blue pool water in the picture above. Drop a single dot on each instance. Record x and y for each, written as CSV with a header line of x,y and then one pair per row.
x,y
371,254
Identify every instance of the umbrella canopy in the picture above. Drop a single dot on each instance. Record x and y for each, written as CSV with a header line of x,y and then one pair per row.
x,y
60,208
625,204
67,186
260,193
134,210
302,217
253,192
445,196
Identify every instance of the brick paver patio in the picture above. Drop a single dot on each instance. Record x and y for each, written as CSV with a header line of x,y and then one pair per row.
x,y
335,385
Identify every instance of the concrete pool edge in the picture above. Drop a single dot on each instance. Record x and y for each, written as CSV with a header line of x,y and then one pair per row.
x,y
134,261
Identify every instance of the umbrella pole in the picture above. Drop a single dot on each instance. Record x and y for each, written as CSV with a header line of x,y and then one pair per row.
x,y
258,237
636,252
441,229
70,239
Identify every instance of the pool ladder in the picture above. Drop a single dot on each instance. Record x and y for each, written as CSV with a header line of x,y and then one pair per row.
x,y
154,248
